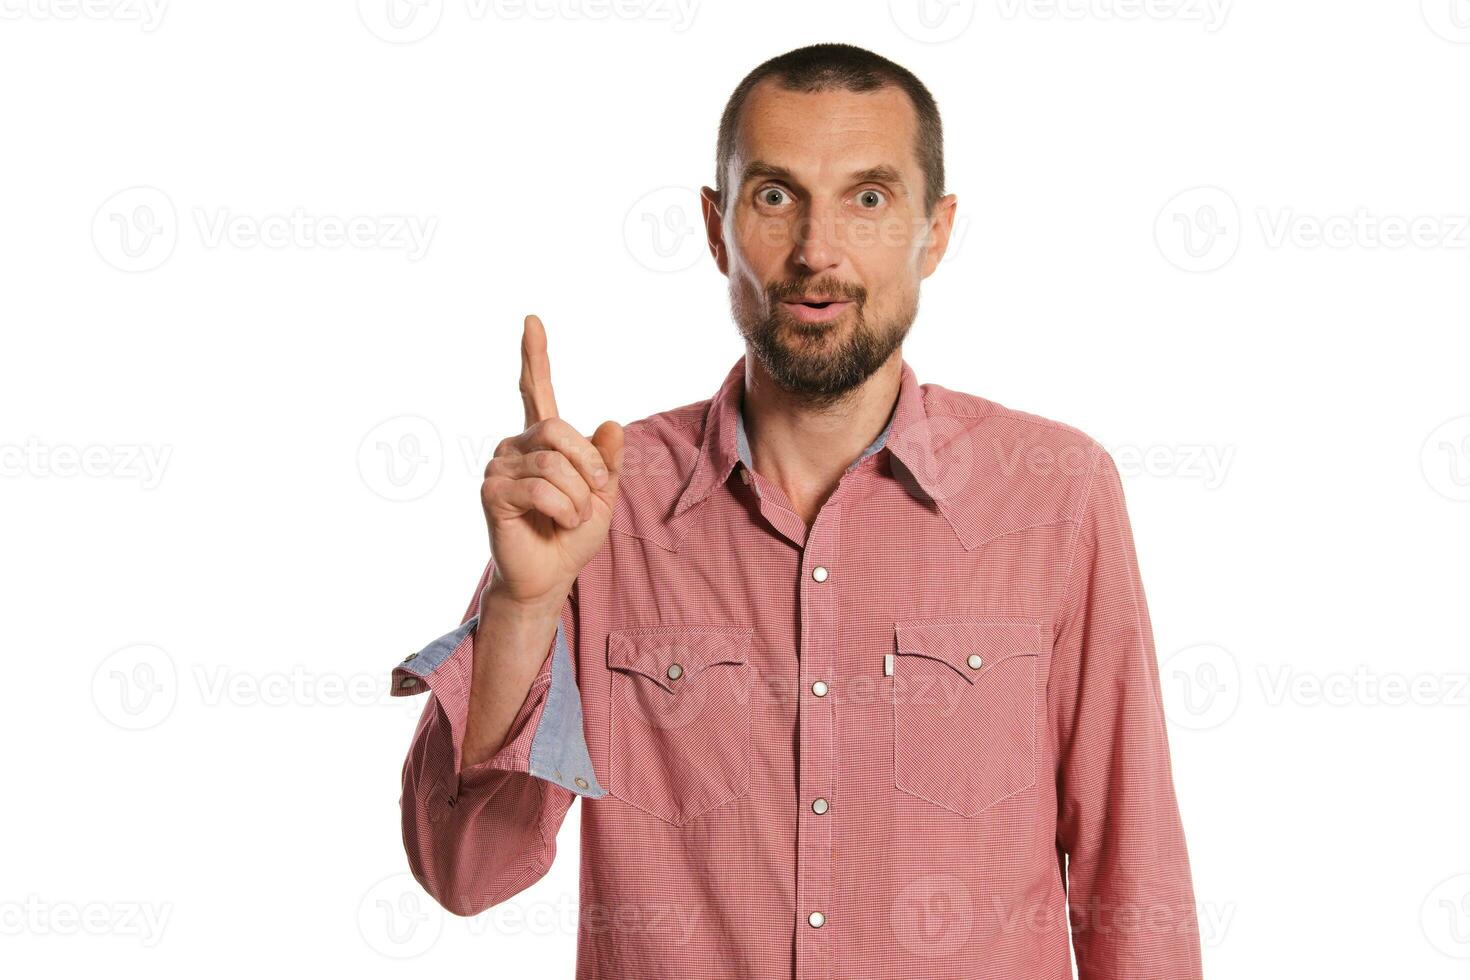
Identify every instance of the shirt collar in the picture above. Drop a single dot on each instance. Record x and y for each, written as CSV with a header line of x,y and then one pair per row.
x,y
907,436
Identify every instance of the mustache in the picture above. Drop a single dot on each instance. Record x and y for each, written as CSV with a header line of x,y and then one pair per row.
x,y
787,291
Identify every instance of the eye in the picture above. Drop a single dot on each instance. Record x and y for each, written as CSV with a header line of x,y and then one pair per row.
x,y
772,196
865,198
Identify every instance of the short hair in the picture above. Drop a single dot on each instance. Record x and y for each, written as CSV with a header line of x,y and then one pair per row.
x,y
829,66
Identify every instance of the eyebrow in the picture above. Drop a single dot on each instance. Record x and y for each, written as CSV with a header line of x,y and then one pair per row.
x,y
882,174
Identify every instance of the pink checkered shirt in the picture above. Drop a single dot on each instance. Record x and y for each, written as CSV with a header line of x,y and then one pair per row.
x,y
921,738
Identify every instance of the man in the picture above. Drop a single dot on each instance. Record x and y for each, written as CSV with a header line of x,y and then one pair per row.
x,y
856,675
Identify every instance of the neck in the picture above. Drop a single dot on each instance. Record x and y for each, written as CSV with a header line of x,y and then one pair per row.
x,y
804,448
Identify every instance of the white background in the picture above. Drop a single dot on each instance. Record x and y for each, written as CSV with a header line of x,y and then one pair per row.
x,y
241,459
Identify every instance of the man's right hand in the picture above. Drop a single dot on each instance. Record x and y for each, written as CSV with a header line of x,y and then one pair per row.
x,y
548,493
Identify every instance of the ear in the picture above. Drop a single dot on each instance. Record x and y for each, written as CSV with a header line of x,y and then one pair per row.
x,y
714,227
939,229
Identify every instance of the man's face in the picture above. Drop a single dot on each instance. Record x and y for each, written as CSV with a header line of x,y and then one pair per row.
x,y
825,201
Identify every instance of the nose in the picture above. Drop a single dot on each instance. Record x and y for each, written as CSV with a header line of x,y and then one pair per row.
x,y
818,243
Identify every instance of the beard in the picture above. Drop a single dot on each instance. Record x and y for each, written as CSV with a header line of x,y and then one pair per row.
x,y
819,362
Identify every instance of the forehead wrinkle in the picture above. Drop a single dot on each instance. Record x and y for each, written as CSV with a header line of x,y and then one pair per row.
x,y
852,124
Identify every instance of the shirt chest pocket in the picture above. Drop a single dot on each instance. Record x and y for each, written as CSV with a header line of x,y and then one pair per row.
x,y
965,710
679,718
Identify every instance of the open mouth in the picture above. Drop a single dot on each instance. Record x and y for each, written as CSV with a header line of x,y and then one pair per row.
x,y
817,311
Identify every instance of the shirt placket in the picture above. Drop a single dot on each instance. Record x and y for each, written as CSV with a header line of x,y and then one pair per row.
x,y
821,578
816,716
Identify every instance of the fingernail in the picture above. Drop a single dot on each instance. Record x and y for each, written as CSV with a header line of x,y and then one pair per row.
x,y
600,476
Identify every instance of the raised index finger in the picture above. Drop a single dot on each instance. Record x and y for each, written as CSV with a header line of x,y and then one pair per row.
x,y
536,391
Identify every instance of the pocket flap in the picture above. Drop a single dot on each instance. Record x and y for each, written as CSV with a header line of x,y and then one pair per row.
x,y
955,641
653,650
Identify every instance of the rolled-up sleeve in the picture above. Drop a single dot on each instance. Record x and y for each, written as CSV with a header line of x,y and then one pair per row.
x,y
1130,893
476,836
